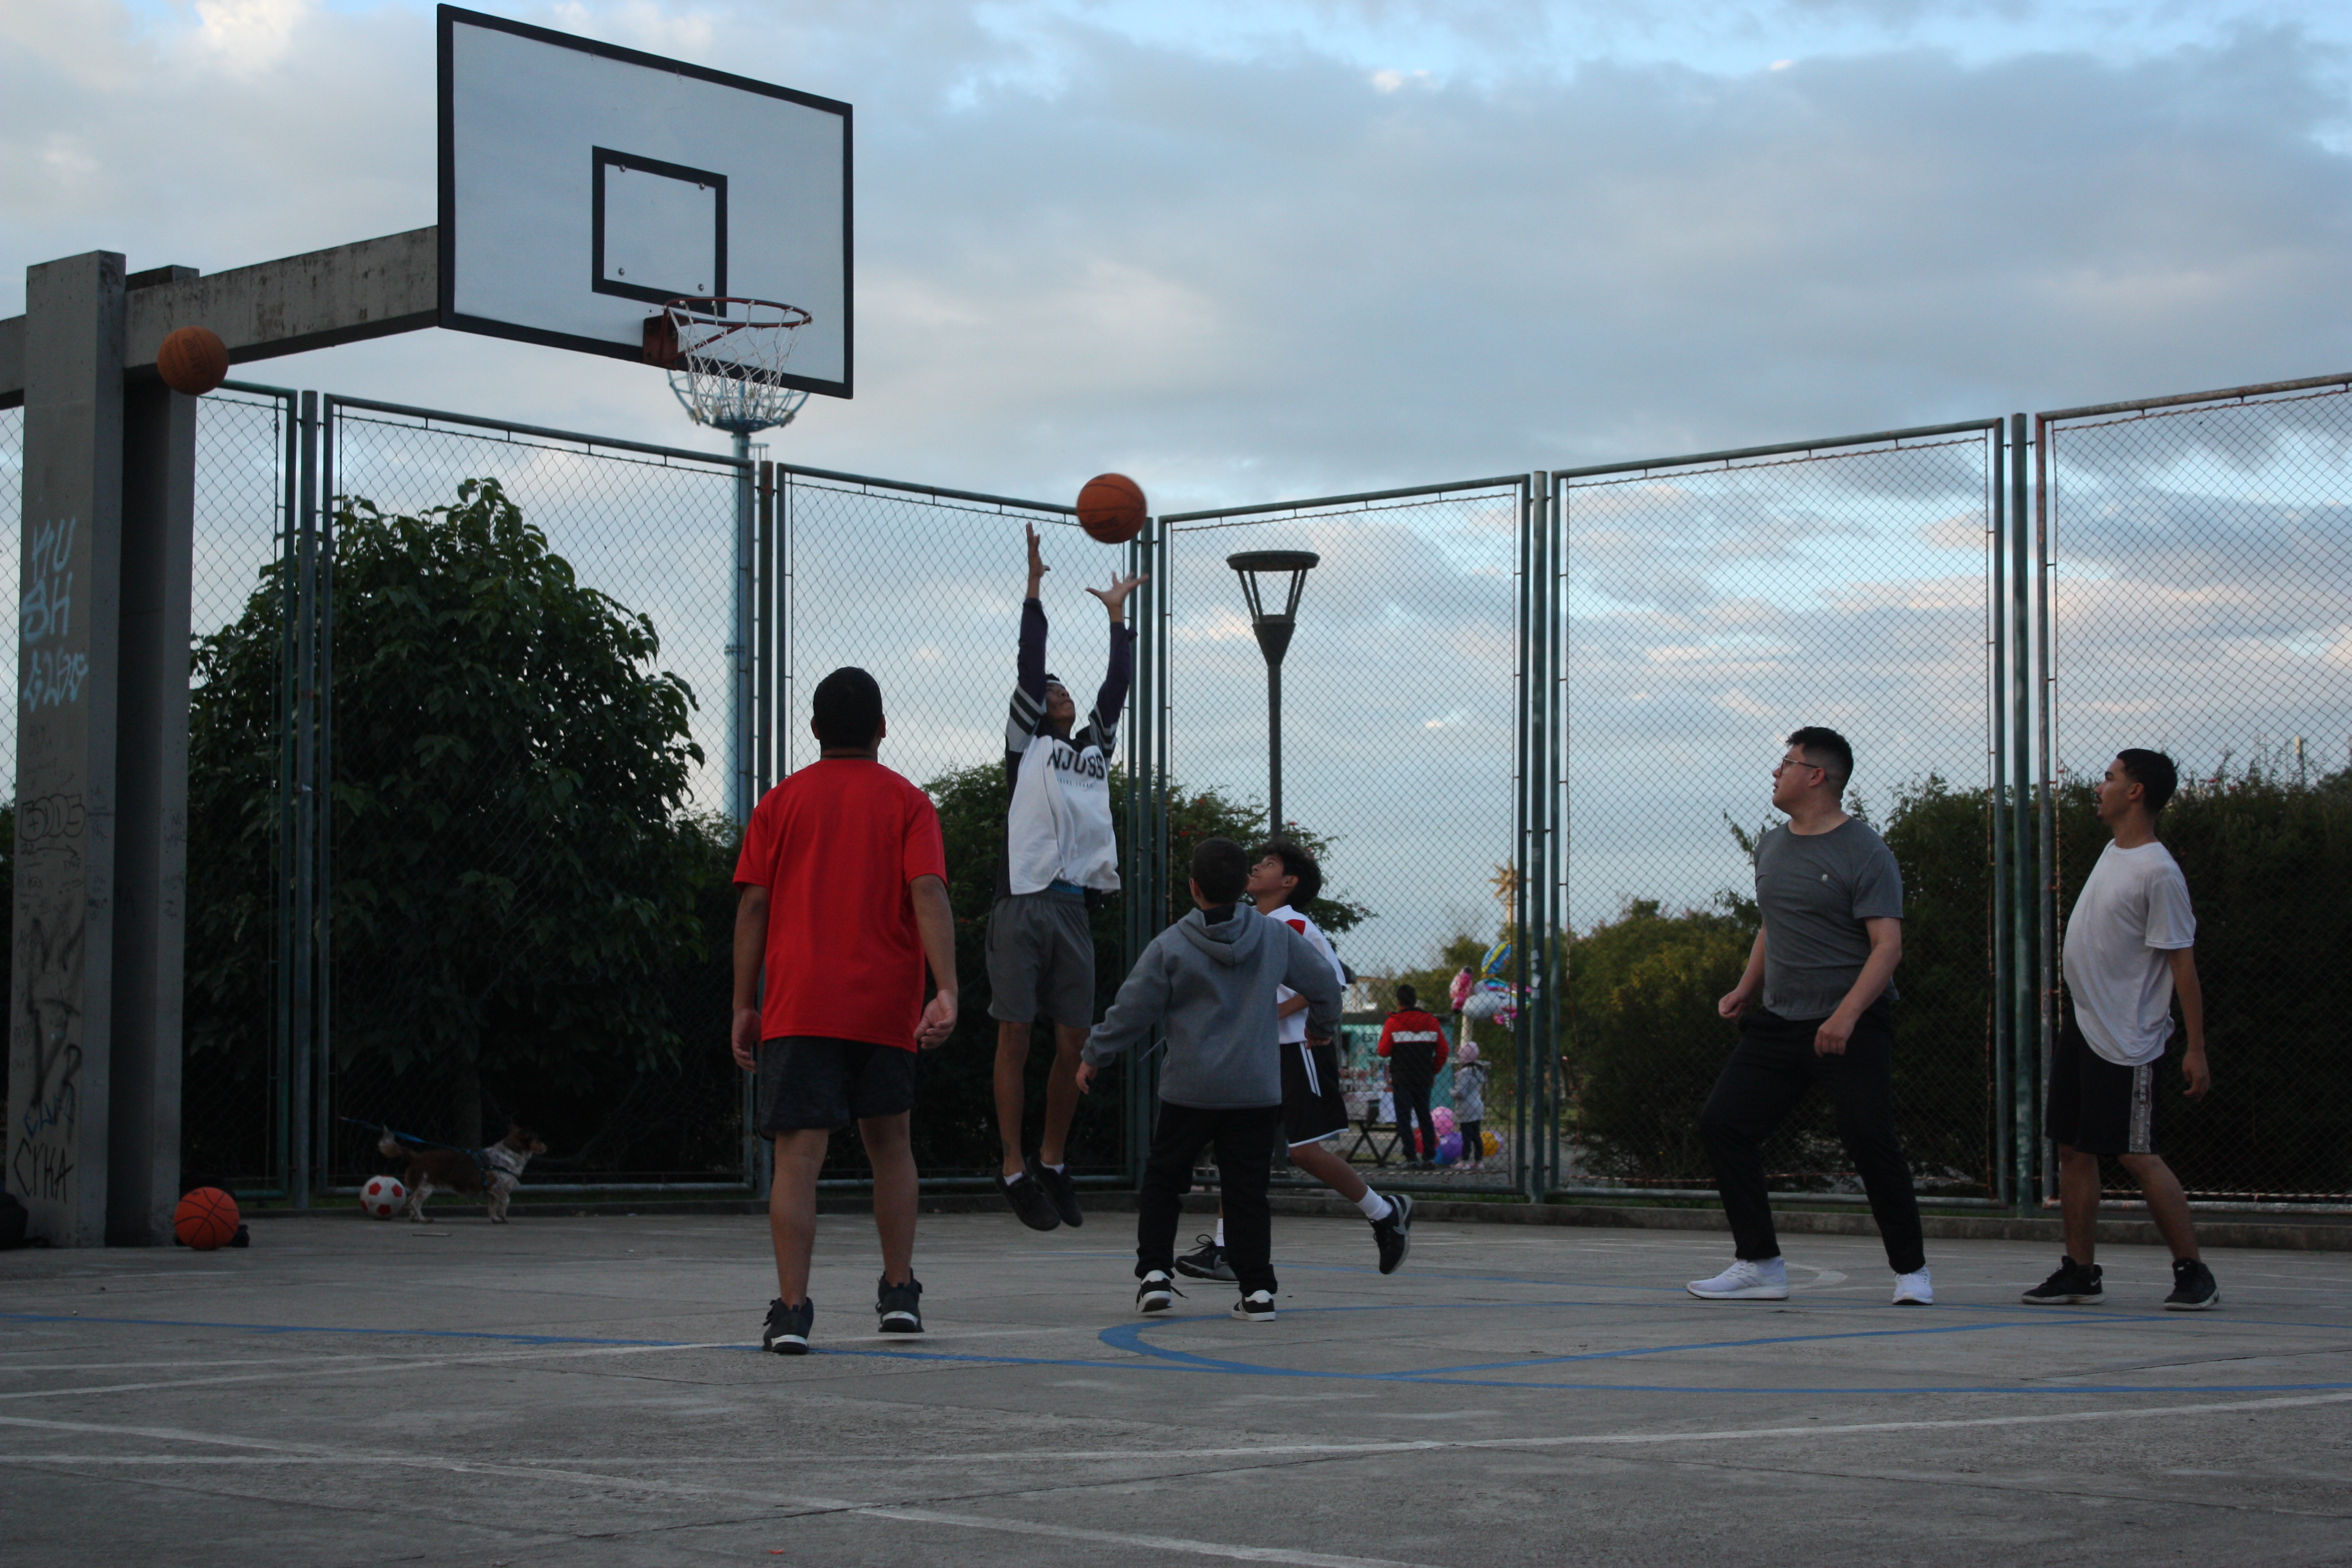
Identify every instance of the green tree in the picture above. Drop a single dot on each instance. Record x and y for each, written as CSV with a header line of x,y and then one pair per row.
x,y
517,885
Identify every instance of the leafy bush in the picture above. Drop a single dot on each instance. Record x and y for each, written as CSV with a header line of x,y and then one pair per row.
x,y
1644,1042
2268,861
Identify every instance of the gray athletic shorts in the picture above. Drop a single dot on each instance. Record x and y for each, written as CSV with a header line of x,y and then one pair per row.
x,y
1041,960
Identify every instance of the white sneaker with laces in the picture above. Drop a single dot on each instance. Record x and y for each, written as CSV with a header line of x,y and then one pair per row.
x,y
1914,1290
1746,1280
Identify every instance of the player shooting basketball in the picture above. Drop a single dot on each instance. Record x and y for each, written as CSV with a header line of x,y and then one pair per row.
x,y
1058,850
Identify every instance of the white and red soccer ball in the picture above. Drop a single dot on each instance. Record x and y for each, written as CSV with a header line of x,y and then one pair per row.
x,y
383,1196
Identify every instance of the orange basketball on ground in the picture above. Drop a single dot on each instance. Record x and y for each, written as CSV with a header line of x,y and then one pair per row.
x,y
193,359
1111,509
205,1219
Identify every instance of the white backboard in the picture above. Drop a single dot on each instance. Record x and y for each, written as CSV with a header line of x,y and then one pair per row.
x,y
584,184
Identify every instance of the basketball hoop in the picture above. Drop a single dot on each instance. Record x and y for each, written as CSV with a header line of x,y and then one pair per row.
x,y
726,359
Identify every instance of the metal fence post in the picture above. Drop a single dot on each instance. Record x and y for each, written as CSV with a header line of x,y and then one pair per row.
x,y
301,603
2046,842
2023,967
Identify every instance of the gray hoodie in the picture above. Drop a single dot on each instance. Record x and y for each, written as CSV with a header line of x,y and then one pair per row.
x,y
1214,987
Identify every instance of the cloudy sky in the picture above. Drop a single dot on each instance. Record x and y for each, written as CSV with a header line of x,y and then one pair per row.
x,y
1253,251
1263,250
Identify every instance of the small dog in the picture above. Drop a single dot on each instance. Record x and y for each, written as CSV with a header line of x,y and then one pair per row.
x,y
494,1172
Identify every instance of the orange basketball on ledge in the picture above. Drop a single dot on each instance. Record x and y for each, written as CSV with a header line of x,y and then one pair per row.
x,y
193,359
205,1219
1111,509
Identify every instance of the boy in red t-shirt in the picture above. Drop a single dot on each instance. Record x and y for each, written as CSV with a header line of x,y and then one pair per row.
x,y
845,901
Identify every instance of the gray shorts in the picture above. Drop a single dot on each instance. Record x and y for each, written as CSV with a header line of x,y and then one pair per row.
x,y
1041,961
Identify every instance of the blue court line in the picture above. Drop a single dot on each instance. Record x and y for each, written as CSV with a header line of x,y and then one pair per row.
x,y
1156,1358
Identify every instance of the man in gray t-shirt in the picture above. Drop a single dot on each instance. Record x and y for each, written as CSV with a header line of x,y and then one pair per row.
x,y
1823,967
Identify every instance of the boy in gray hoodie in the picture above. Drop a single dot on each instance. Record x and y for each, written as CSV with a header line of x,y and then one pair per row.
x,y
1209,981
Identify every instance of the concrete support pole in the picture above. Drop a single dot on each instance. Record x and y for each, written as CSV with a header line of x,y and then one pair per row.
x,y
61,1018
151,772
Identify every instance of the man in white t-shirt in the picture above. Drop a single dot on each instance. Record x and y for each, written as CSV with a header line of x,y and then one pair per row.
x,y
2130,947
1284,879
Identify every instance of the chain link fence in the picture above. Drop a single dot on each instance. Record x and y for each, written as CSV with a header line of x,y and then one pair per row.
x,y
2196,572
234,1116
1623,645
525,857
922,587
1713,604
1402,733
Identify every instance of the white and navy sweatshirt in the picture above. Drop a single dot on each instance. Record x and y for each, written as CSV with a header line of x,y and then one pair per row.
x,y
1058,828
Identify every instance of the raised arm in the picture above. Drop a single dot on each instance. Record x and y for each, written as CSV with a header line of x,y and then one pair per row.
x,y
1119,670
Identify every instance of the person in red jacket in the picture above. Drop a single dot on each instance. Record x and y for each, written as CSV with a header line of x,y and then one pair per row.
x,y
1414,1043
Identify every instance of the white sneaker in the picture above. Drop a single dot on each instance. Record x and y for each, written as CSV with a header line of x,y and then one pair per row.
x,y
1914,1290
1764,1281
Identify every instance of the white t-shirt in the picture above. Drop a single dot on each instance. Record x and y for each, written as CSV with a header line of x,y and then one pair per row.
x,y
2132,912
1292,1030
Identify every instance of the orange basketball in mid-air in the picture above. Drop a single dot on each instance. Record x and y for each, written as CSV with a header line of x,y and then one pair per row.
x,y
193,359
205,1219
1111,509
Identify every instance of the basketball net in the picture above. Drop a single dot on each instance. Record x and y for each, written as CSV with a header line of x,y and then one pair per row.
x,y
726,359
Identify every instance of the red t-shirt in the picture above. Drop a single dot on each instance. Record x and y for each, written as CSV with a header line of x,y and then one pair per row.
x,y
837,846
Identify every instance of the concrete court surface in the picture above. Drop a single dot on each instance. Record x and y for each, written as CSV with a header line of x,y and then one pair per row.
x,y
588,1391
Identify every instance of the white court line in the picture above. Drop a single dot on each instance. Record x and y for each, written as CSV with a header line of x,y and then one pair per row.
x,y
320,1453
406,1365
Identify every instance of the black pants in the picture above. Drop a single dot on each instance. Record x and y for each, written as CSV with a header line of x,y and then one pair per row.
x,y
1413,1110
1473,1139
1769,1071
1245,1142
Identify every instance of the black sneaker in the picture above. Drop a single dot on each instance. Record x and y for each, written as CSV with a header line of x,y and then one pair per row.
x,y
788,1327
2074,1285
1028,1198
1257,1307
1206,1261
1061,1190
1155,1292
900,1306
1391,1234
2193,1290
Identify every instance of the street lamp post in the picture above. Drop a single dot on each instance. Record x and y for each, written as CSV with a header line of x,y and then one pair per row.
x,y
1272,629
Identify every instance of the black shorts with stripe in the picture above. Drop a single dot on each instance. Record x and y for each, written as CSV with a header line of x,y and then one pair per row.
x,y
2095,1105
1312,1108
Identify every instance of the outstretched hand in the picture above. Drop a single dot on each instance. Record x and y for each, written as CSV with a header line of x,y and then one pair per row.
x,y
1037,567
1114,597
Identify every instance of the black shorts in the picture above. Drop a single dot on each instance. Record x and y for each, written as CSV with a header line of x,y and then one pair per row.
x,y
2094,1105
808,1082
1312,1108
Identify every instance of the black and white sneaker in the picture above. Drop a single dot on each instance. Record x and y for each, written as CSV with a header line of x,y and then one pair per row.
x,y
1257,1307
2074,1285
1155,1292
1391,1235
900,1306
788,1327
1029,1201
2193,1289
1206,1261
1060,1191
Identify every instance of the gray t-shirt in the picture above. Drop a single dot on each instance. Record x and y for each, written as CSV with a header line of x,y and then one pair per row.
x,y
1816,889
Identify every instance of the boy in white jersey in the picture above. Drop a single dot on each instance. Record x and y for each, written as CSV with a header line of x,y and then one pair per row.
x,y
2130,949
1282,880
1059,850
